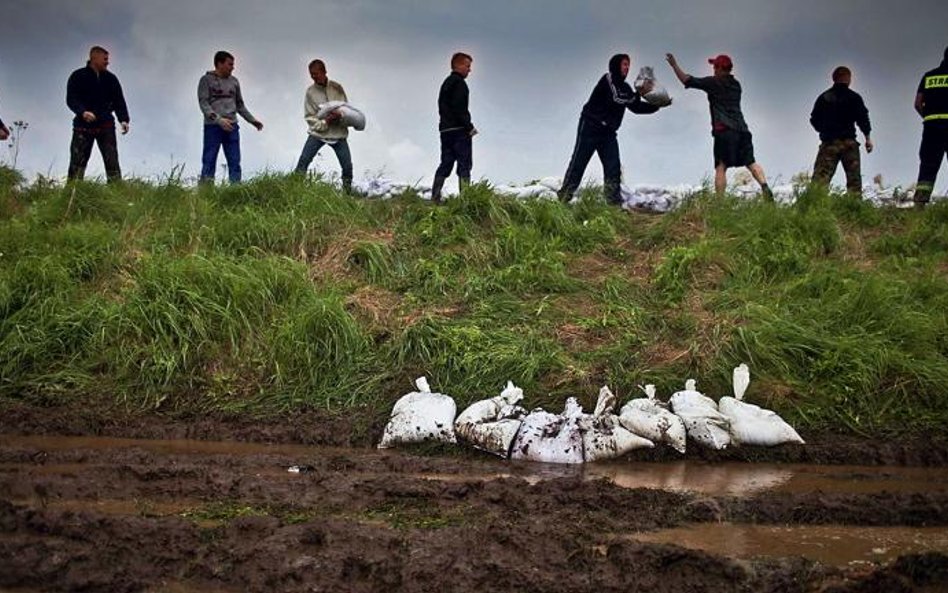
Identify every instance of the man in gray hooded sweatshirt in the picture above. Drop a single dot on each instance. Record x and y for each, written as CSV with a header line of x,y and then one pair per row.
x,y
220,100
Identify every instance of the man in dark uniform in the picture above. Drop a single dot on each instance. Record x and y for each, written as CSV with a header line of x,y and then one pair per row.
x,y
457,131
93,94
931,103
835,116
598,123
733,143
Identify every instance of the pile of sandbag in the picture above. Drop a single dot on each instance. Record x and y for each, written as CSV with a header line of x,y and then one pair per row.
x,y
499,425
351,116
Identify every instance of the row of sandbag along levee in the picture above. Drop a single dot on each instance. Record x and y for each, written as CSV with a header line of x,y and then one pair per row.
x,y
501,426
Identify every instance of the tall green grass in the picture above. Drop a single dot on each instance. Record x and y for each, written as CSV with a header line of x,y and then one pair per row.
x,y
284,294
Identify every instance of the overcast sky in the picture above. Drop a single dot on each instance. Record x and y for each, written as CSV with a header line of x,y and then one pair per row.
x,y
535,62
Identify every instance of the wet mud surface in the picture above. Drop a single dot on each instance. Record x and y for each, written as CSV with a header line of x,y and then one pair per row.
x,y
105,514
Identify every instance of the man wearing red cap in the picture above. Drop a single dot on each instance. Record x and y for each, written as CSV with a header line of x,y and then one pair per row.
x,y
733,143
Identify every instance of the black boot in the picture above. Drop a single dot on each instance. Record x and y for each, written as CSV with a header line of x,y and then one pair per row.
x,y
436,190
463,183
347,187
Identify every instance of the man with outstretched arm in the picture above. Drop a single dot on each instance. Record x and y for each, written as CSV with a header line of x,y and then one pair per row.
x,y
455,127
598,123
931,103
220,100
329,130
94,94
835,115
733,143
4,131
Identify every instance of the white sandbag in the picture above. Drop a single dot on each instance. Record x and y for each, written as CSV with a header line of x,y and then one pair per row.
x,y
420,416
604,437
551,438
351,116
492,424
703,422
658,96
750,424
651,419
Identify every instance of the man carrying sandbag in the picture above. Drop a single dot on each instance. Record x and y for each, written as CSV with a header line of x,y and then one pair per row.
x,y
733,143
330,129
455,127
835,115
598,123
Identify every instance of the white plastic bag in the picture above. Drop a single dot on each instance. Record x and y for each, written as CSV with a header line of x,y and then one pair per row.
x,y
651,419
351,116
750,424
420,416
704,423
604,437
492,424
551,438
658,96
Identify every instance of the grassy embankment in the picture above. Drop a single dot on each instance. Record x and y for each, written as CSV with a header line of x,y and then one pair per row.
x,y
281,295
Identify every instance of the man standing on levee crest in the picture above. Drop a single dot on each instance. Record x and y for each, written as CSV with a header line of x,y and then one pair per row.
x,y
931,102
835,115
598,124
93,94
733,143
220,100
329,130
455,127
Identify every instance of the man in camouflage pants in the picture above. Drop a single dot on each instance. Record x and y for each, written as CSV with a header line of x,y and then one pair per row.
x,y
835,115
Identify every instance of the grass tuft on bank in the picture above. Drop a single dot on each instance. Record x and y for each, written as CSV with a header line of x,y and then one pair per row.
x,y
282,294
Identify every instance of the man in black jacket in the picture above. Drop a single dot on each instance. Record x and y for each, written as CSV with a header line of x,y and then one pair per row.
x,y
931,103
835,116
94,94
598,123
457,131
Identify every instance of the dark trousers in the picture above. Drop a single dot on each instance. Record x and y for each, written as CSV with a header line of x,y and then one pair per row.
x,y
215,138
80,150
931,153
831,153
340,147
592,138
456,146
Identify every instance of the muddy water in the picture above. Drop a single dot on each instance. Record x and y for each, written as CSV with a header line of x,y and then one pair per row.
x,y
831,544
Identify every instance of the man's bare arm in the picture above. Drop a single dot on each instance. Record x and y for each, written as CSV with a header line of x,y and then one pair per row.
x,y
681,74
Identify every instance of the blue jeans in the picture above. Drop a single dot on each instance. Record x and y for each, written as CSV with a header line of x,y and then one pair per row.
x,y
214,138
340,147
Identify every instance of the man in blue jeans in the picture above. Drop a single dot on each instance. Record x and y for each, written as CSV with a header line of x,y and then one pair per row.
x,y
329,130
220,100
455,126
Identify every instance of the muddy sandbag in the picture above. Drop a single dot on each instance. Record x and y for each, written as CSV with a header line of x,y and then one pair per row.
x,y
492,424
351,116
651,419
604,437
658,96
551,438
703,422
420,416
750,424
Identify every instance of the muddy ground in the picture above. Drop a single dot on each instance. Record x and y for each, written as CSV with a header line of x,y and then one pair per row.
x,y
100,515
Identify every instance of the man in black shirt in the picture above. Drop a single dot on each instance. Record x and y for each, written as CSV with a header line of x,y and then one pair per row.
x,y
93,94
835,116
457,131
598,123
733,143
931,102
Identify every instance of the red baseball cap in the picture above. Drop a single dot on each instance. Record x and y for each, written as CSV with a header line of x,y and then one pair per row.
x,y
721,61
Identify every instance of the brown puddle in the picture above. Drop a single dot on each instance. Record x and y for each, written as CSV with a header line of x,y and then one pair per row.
x,y
121,507
837,545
